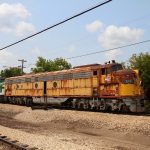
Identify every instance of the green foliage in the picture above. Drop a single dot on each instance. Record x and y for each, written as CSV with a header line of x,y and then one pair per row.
x,y
10,72
123,64
1,85
44,65
142,62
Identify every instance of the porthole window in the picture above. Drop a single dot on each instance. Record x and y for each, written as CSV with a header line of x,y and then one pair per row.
x,y
54,84
17,86
36,85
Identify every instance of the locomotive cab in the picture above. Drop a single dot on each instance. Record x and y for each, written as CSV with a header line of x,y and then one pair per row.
x,y
107,71
122,86
109,84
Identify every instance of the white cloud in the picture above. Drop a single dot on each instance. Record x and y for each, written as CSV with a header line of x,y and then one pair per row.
x,y
7,58
114,36
94,26
23,28
5,29
13,10
13,17
113,54
36,51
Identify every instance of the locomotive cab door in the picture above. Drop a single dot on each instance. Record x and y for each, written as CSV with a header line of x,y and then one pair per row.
x,y
45,94
95,83
45,87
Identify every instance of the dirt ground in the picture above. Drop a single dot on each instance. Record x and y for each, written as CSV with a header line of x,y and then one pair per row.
x,y
74,130
5,147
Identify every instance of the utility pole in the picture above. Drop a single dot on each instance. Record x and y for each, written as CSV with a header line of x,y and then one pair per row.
x,y
22,65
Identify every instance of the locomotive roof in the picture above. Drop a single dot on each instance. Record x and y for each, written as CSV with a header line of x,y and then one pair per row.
x,y
89,65
108,65
85,68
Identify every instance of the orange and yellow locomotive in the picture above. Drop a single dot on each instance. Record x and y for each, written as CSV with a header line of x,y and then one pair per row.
x,y
95,86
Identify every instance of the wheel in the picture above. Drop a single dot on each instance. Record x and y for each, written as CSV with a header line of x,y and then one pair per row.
x,y
109,109
124,108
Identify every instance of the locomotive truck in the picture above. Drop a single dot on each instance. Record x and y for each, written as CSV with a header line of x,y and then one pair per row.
x,y
107,87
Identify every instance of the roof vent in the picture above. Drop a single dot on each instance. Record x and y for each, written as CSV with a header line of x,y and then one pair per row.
x,y
113,61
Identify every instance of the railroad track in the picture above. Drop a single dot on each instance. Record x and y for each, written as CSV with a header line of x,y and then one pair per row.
x,y
14,144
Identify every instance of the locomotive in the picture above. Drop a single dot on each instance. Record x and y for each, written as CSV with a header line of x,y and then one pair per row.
x,y
107,87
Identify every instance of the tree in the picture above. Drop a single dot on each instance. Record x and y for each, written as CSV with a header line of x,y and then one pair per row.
x,y
10,72
44,65
61,64
142,62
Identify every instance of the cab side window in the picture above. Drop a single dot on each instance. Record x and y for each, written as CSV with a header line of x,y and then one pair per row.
x,y
94,73
108,71
103,71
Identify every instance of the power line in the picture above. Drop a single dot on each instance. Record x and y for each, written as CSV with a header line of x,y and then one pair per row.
x,y
83,38
107,50
59,23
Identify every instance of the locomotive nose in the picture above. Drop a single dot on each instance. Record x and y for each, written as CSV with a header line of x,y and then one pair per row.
x,y
129,83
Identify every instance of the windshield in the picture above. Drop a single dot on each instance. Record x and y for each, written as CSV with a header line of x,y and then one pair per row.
x,y
117,67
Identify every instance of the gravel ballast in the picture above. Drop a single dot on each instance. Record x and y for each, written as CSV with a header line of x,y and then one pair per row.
x,y
75,130
125,123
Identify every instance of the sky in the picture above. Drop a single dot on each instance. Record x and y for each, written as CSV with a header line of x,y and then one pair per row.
x,y
118,23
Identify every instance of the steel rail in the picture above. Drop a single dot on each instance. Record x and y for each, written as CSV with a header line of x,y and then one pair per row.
x,y
15,144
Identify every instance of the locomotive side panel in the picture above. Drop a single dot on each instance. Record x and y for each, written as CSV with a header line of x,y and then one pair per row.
x,y
82,87
77,83
8,89
53,88
22,89
111,90
72,88
127,90
38,89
